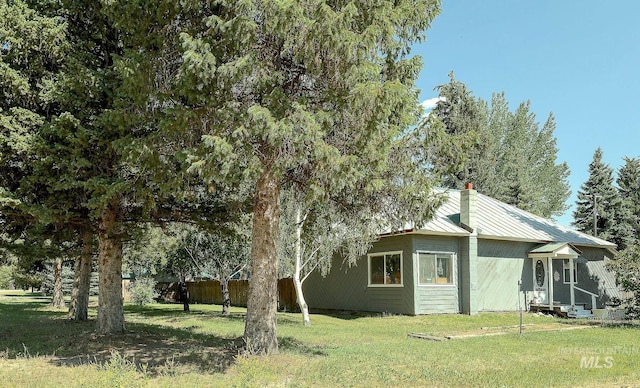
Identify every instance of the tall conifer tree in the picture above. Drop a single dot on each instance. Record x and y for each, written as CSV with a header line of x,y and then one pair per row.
x,y
456,149
505,154
79,176
284,87
599,202
629,187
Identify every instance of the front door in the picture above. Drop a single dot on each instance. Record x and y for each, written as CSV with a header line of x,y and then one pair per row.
x,y
540,281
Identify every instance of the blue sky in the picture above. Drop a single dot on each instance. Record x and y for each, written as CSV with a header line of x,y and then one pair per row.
x,y
577,59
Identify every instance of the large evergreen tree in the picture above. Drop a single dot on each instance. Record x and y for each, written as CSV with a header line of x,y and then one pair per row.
x,y
456,146
282,86
531,178
629,188
33,48
78,175
506,155
599,202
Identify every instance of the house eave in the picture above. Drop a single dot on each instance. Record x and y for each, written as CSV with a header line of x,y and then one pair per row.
x,y
609,248
424,233
440,233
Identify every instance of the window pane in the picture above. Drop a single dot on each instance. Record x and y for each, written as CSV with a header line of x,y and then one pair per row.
x,y
393,269
567,269
377,269
435,268
426,270
444,269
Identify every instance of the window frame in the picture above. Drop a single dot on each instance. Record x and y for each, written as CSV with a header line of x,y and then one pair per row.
x,y
452,261
565,265
384,261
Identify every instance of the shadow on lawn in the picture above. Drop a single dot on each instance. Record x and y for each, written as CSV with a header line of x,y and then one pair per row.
x,y
161,310
345,314
290,344
29,329
159,347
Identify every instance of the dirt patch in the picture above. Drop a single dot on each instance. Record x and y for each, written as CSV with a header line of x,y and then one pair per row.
x,y
498,330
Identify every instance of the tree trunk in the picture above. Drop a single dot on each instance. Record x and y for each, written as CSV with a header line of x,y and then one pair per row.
x,y
110,304
184,294
260,334
57,301
226,299
298,269
79,308
301,302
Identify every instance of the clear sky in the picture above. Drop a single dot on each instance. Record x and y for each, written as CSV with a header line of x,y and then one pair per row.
x,y
577,59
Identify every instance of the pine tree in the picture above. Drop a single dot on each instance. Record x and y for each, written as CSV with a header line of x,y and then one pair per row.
x,y
281,86
629,187
550,178
599,201
505,154
69,165
455,149
533,180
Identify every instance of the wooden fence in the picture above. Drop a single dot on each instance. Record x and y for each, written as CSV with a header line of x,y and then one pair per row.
x,y
210,292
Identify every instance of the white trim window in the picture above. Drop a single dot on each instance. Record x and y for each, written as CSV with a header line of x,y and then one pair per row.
x,y
566,272
385,269
436,268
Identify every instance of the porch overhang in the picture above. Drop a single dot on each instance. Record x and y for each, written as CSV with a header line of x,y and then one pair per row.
x,y
555,251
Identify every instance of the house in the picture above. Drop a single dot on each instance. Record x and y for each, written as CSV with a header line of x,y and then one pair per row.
x,y
477,254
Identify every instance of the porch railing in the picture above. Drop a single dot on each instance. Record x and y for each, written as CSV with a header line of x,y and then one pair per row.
x,y
593,296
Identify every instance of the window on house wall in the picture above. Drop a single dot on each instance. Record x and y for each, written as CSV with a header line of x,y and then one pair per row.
x,y
566,271
385,269
435,268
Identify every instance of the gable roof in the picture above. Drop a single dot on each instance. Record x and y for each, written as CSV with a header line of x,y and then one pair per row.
x,y
556,250
500,221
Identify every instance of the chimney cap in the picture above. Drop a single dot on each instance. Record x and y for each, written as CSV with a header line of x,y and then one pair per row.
x,y
468,186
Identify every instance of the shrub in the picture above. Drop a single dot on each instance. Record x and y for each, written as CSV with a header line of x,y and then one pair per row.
x,y
143,291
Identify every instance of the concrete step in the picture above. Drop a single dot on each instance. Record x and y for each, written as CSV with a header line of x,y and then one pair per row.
x,y
579,312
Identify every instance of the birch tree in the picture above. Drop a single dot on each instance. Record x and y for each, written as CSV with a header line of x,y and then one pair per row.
x,y
312,234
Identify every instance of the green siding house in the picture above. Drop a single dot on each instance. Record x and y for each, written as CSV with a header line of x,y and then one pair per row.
x,y
477,254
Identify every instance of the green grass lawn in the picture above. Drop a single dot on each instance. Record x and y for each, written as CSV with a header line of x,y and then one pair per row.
x,y
164,346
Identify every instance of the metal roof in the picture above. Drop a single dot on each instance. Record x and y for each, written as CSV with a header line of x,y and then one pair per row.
x,y
501,221
606,279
